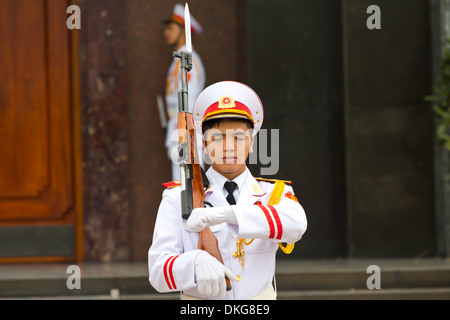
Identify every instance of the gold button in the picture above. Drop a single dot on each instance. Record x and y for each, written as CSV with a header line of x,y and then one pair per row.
x,y
238,278
235,254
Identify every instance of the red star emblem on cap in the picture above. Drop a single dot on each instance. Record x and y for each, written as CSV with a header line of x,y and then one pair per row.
x,y
226,102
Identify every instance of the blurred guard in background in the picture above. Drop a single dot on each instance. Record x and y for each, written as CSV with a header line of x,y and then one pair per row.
x,y
175,38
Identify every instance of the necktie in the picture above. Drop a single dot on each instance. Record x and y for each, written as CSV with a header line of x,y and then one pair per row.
x,y
230,186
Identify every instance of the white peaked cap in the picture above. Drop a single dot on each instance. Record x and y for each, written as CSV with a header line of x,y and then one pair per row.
x,y
178,17
228,99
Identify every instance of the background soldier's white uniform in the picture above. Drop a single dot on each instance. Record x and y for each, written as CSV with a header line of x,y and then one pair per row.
x,y
266,213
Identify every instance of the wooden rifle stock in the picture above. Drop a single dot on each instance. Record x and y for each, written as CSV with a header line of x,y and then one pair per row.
x,y
186,136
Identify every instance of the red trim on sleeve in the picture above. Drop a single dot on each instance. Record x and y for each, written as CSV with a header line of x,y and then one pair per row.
x,y
168,272
171,272
165,273
278,221
269,220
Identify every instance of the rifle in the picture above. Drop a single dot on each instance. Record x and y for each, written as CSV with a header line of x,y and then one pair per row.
x,y
193,180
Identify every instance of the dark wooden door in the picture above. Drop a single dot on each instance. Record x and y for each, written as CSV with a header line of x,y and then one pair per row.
x,y
40,214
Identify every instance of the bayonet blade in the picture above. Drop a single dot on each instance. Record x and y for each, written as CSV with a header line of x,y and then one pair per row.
x,y
187,28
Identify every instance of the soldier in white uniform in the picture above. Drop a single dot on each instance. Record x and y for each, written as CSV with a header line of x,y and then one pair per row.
x,y
251,219
175,38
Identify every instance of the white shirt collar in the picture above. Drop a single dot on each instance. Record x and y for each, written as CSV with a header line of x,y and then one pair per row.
x,y
219,180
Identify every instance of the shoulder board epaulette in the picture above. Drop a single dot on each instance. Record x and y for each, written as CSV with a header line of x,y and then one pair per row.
x,y
273,180
172,184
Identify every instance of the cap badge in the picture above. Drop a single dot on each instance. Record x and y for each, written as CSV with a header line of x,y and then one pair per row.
x,y
226,102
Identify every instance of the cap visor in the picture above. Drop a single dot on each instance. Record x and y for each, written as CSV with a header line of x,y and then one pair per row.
x,y
228,115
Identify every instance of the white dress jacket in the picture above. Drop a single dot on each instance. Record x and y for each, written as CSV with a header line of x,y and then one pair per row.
x,y
174,247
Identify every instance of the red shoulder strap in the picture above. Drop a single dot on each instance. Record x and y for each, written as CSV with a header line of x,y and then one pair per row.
x,y
171,184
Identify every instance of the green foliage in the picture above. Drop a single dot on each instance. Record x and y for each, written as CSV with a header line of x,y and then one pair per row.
x,y
440,99
440,102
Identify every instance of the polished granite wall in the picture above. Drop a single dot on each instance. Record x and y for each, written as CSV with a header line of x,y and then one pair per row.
x,y
356,135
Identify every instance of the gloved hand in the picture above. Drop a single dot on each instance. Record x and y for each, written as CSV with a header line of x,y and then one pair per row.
x,y
210,275
204,217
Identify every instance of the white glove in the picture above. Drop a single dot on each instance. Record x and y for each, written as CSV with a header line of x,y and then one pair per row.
x,y
204,217
210,275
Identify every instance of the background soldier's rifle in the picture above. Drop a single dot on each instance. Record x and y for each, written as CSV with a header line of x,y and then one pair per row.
x,y
192,180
